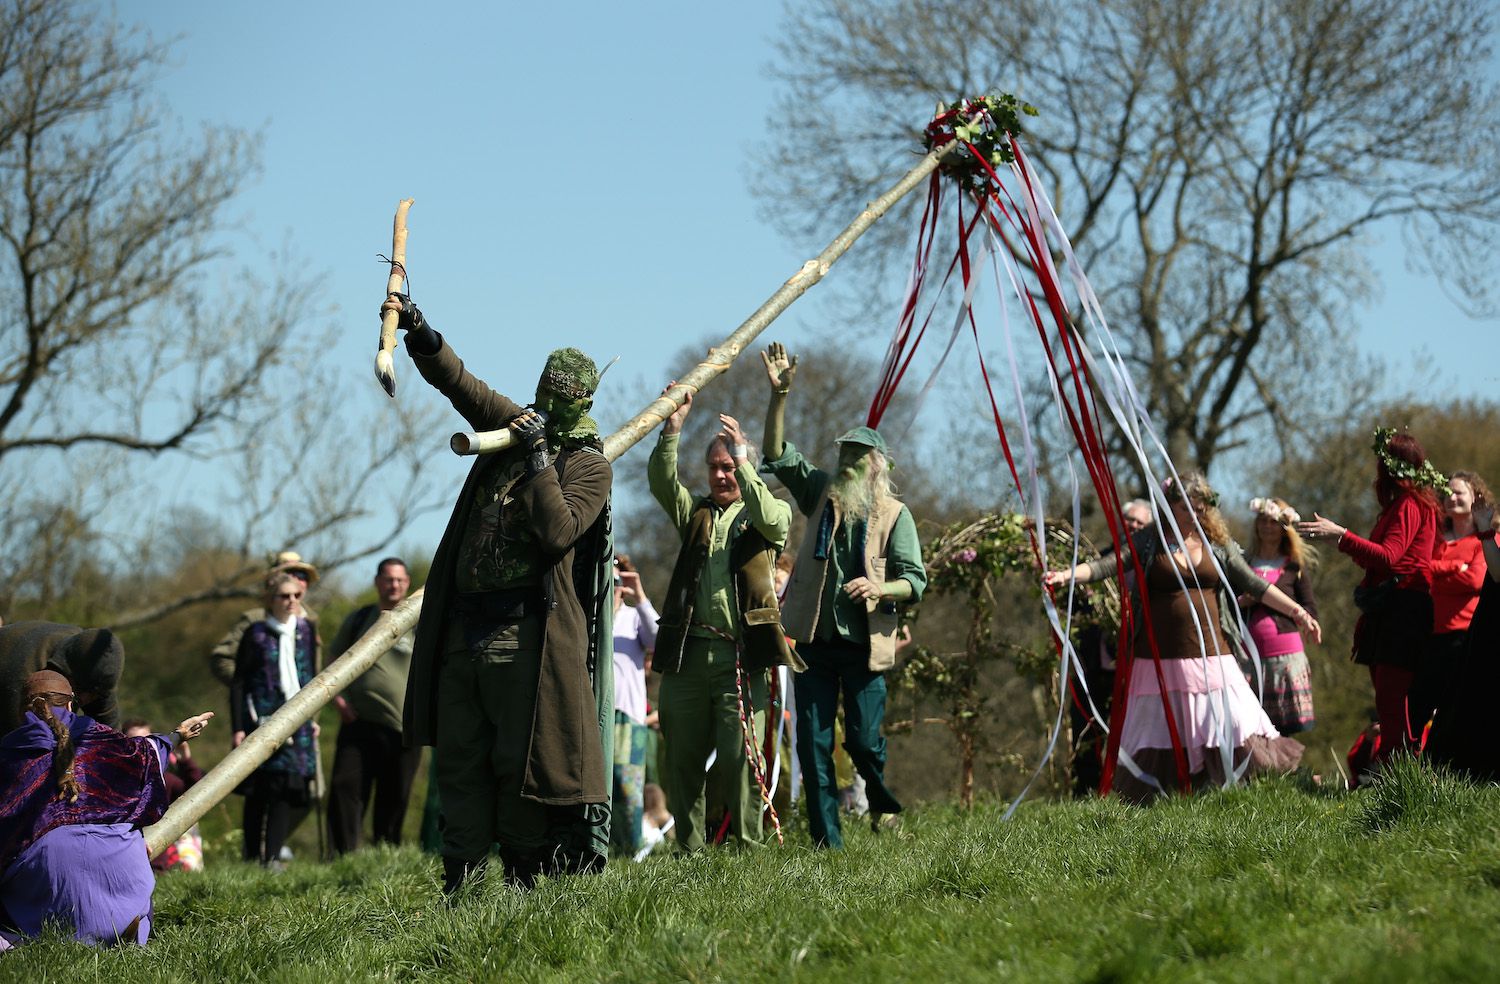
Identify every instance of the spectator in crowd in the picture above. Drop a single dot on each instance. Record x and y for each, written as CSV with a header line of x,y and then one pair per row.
x,y
179,775
74,795
509,680
720,630
1463,731
859,563
276,659
1219,721
94,658
635,637
1279,557
370,755
1136,515
221,660
1395,596
1458,570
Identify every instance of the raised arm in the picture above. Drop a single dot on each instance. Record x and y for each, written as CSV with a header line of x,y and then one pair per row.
x,y
661,467
771,517
471,396
780,370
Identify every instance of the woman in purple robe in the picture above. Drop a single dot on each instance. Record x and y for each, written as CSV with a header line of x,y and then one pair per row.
x,y
75,796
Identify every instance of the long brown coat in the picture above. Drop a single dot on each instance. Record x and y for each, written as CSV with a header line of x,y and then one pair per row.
x,y
565,764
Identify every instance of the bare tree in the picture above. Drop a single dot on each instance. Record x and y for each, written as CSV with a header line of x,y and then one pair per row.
x,y
1220,166
123,342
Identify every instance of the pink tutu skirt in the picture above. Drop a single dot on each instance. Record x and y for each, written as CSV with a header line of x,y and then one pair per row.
x,y
1214,709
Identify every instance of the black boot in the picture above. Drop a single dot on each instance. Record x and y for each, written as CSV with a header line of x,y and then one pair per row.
x,y
522,868
456,873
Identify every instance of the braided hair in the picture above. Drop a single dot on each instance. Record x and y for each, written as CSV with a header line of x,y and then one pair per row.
x,y
62,756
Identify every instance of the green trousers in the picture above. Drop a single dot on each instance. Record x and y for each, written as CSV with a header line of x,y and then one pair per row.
x,y
487,698
700,717
835,671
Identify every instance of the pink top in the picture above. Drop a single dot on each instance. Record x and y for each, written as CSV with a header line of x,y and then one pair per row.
x,y
1268,637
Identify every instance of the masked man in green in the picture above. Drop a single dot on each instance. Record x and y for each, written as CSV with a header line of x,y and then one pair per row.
x,y
719,631
506,677
860,561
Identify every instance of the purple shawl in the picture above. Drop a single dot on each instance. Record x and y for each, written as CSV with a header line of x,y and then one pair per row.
x,y
119,781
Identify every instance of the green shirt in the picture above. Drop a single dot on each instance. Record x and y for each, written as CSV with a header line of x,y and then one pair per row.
x,y
846,559
377,695
771,517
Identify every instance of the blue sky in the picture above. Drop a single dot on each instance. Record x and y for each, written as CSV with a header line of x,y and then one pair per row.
x,y
580,176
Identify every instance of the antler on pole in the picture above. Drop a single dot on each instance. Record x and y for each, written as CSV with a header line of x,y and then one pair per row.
x,y
261,743
385,360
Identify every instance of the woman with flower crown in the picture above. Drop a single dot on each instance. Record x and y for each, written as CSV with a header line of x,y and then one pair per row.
x,y
1395,596
1186,689
1279,556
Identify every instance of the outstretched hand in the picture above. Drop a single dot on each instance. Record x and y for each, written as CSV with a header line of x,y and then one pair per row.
x,y
193,726
1319,528
780,367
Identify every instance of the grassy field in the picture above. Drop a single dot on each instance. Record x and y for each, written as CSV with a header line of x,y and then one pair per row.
x,y
1278,882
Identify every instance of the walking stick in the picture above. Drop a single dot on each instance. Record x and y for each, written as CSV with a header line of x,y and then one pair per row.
x,y
264,740
385,362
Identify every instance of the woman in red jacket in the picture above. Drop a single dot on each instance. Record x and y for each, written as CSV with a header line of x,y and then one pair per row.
x,y
1457,575
1395,596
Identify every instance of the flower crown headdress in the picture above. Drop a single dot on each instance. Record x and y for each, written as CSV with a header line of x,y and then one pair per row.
x,y
1174,491
1267,506
1423,474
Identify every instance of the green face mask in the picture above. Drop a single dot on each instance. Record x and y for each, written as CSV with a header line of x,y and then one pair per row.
x,y
566,419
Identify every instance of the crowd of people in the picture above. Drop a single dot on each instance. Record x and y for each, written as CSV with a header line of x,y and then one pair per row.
x,y
702,720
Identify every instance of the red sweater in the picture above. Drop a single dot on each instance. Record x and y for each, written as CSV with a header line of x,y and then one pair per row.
x,y
1400,545
1455,591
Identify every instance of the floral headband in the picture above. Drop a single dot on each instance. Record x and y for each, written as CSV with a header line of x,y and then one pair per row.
x,y
1170,488
1423,474
1282,514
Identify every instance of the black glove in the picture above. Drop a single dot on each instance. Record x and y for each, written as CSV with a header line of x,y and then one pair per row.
x,y
537,462
410,317
531,431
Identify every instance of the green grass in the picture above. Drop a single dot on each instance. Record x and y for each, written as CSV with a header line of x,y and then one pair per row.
x,y
1277,882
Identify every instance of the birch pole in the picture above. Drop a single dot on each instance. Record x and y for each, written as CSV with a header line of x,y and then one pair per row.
x,y
385,360
262,743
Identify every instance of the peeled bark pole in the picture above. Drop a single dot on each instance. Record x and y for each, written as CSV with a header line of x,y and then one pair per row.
x,y
385,360
261,743
723,355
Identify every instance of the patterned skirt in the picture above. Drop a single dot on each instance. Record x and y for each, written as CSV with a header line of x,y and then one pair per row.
x,y
1287,697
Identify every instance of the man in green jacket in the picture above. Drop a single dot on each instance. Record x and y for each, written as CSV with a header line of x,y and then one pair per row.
x,y
369,756
507,680
860,561
719,630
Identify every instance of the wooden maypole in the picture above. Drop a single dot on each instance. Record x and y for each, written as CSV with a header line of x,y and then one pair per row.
x,y
261,743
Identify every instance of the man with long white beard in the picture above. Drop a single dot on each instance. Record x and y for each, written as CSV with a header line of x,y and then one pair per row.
x,y
859,563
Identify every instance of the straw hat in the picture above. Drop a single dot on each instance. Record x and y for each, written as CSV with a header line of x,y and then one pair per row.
x,y
292,563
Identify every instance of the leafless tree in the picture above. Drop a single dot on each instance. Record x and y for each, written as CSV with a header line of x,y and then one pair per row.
x,y
1220,166
125,344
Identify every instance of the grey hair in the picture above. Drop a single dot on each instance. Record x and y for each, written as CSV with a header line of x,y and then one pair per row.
x,y
1139,504
752,450
276,579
